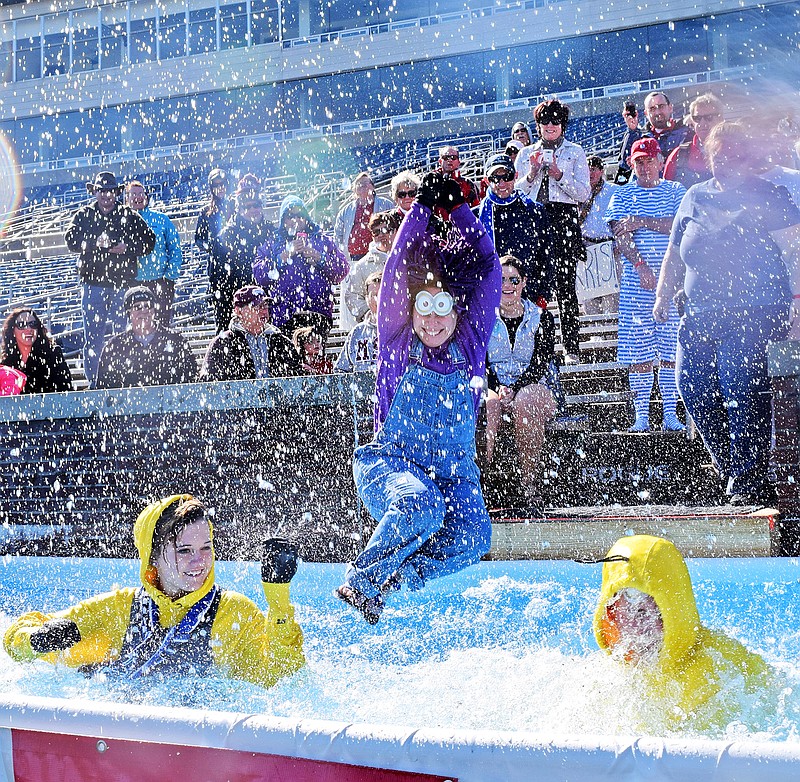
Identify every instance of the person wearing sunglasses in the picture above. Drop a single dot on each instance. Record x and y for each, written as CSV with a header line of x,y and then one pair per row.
x,y
404,187
518,226
518,358
418,478
687,163
554,172
233,253
27,347
449,166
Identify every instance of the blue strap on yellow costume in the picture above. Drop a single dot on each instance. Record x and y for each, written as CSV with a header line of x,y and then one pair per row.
x,y
183,648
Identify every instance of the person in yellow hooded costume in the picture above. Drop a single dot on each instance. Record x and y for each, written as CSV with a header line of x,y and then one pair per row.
x,y
647,615
179,621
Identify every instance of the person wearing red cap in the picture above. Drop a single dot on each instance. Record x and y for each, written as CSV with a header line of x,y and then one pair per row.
x,y
640,215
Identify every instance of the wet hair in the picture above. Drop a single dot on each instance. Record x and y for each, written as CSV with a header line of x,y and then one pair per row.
x,y
552,109
9,341
174,520
386,222
595,161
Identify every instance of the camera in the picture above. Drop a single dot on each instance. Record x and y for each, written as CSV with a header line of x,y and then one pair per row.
x,y
547,156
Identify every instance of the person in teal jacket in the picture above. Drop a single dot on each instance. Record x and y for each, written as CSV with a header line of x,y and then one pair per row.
x,y
158,270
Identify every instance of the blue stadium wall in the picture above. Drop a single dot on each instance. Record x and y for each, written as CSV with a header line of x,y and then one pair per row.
x,y
76,88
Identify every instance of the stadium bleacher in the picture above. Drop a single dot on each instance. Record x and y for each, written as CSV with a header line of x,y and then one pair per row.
x,y
45,278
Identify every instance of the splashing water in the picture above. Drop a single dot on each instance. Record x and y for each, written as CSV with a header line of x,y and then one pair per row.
x,y
502,646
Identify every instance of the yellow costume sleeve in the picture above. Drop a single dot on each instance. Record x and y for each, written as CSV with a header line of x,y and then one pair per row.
x,y
256,648
101,620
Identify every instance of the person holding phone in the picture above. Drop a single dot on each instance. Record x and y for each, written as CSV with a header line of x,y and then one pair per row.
x,y
554,172
300,267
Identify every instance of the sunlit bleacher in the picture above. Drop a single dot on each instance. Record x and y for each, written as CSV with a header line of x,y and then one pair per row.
x,y
37,270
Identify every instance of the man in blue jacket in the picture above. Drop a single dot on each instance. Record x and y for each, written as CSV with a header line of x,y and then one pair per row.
x,y
158,270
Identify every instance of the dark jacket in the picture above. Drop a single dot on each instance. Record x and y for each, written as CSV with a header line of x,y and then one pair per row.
x,y
166,360
671,138
229,357
101,267
210,223
520,227
46,369
234,251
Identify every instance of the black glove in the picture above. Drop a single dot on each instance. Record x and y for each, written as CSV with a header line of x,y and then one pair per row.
x,y
450,196
279,561
55,635
429,191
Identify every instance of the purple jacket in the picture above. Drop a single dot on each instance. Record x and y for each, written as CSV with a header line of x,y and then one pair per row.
x,y
297,284
476,284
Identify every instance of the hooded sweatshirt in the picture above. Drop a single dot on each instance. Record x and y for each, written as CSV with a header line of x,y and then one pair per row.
x,y
245,643
298,283
695,658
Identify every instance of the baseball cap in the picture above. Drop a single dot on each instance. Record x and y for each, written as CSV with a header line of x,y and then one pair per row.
x,y
136,295
498,161
645,147
250,294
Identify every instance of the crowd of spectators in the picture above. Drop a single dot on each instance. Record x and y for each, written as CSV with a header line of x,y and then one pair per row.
x,y
546,207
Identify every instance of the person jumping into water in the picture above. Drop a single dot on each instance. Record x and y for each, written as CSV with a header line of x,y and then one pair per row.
x,y
418,477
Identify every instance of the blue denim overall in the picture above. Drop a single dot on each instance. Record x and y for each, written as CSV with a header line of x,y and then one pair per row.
x,y
419,480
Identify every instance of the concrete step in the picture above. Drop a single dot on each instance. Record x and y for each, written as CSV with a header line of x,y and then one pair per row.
x,y
587,533
591,468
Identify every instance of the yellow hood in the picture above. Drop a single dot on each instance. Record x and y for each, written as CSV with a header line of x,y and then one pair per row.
x,y
170,611
653,566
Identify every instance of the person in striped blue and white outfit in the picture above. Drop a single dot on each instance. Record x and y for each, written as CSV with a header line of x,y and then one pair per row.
x,y
640,215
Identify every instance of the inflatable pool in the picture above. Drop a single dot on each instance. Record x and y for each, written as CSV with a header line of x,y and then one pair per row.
x,y
489,675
